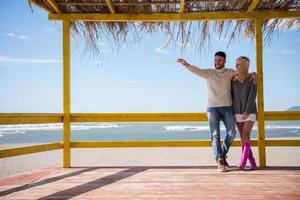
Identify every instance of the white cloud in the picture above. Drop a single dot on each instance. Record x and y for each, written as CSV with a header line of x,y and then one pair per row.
x,y
10,34
284,51
18,30
23,37
5,59
162,51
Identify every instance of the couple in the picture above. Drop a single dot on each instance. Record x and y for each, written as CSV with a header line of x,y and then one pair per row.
x,y
231,98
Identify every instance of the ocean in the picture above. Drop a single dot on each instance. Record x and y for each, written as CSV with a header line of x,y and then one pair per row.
x,y
48,133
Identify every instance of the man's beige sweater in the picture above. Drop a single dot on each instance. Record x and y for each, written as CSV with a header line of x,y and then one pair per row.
x,y
218,84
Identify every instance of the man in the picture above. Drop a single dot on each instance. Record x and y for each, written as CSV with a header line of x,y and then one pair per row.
x,y
219,105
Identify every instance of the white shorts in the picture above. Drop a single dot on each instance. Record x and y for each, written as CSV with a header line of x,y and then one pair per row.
x,y
251,117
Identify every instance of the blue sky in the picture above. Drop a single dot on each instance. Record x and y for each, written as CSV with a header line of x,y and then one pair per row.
x,y
140,78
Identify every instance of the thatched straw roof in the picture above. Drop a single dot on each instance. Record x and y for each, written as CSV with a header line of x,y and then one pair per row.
x,y
183,32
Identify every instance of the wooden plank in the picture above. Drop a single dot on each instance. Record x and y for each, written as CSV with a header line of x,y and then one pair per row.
x,y
156,143
43,7
105,144
282,115
54,6
175,17
4,153
29,118
110,6
137,117
153,182
33,118
253,5
118,3
182,6
280,143
66,94
260,92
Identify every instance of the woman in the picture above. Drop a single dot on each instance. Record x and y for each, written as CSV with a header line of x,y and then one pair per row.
x,y
244,108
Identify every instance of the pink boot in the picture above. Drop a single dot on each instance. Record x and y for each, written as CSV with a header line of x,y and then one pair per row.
x,y
252,160
245,155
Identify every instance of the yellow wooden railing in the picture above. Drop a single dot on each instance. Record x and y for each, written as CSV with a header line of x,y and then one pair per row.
x,y
31,118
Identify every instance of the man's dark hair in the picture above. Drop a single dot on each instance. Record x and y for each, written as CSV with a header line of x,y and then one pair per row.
x,y
221,53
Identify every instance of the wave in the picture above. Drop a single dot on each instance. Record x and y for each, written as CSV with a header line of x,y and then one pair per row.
x,y
80,127
184,128
282,127
24,128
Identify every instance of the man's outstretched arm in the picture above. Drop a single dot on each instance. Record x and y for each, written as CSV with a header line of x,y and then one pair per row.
x,y
200,72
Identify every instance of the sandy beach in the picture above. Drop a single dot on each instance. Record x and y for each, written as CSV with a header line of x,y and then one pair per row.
x,y
158,156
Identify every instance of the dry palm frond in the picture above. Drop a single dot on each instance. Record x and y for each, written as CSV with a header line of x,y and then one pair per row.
x,y
183,33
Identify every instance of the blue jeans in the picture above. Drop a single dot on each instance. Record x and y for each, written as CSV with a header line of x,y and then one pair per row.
x,y
215,114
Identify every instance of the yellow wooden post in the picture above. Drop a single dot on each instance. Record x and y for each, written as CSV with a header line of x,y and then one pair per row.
x,y
66,95
260,93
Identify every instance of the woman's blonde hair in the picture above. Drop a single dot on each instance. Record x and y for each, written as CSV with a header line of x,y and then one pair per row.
x,y
245,62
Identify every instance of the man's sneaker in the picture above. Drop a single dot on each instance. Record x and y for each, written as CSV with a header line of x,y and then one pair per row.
x,y
221,165
225,162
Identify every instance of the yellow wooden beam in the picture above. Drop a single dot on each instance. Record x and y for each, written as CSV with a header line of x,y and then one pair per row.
x,y
282,115
137,117
29,118
33,118
24,118
4,153
260,92
156,143
110,6
174,17
252,5
182,4
54,6
286,143
66,93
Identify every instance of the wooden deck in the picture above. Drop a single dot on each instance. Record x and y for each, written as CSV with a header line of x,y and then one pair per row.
x,y
148,182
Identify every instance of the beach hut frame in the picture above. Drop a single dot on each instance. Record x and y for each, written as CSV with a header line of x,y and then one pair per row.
x,y
67,117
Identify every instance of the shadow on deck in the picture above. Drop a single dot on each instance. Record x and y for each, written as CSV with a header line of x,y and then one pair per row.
x,y
152,182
